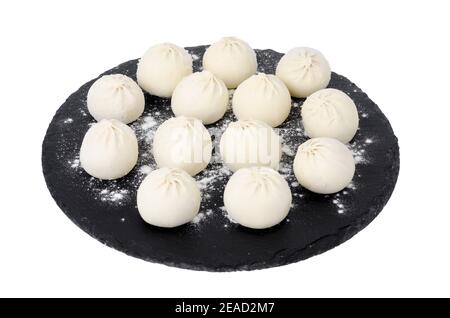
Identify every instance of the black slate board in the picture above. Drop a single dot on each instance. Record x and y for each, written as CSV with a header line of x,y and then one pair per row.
x,y
316,223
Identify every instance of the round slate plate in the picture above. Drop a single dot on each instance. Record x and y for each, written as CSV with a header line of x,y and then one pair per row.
x,y
316,223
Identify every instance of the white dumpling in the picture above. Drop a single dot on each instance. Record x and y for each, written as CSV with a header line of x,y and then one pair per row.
x,y
263,97
109,150
162,67
330,113
115,97
257,197
324,165
168,198
230,59
182,142
247,143
201,95
304,71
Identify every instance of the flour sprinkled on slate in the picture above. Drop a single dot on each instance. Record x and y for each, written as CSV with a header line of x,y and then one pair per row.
x,y
83,112
211,181
145,169
75,163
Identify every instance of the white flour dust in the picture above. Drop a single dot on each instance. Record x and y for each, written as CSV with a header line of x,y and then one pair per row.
x,y
113,195
75,163
227,216
145,169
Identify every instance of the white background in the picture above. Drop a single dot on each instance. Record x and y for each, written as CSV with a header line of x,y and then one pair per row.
x,y
397,51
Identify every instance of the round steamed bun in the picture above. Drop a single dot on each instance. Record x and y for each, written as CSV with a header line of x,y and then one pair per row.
x,y
230,59
162,67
